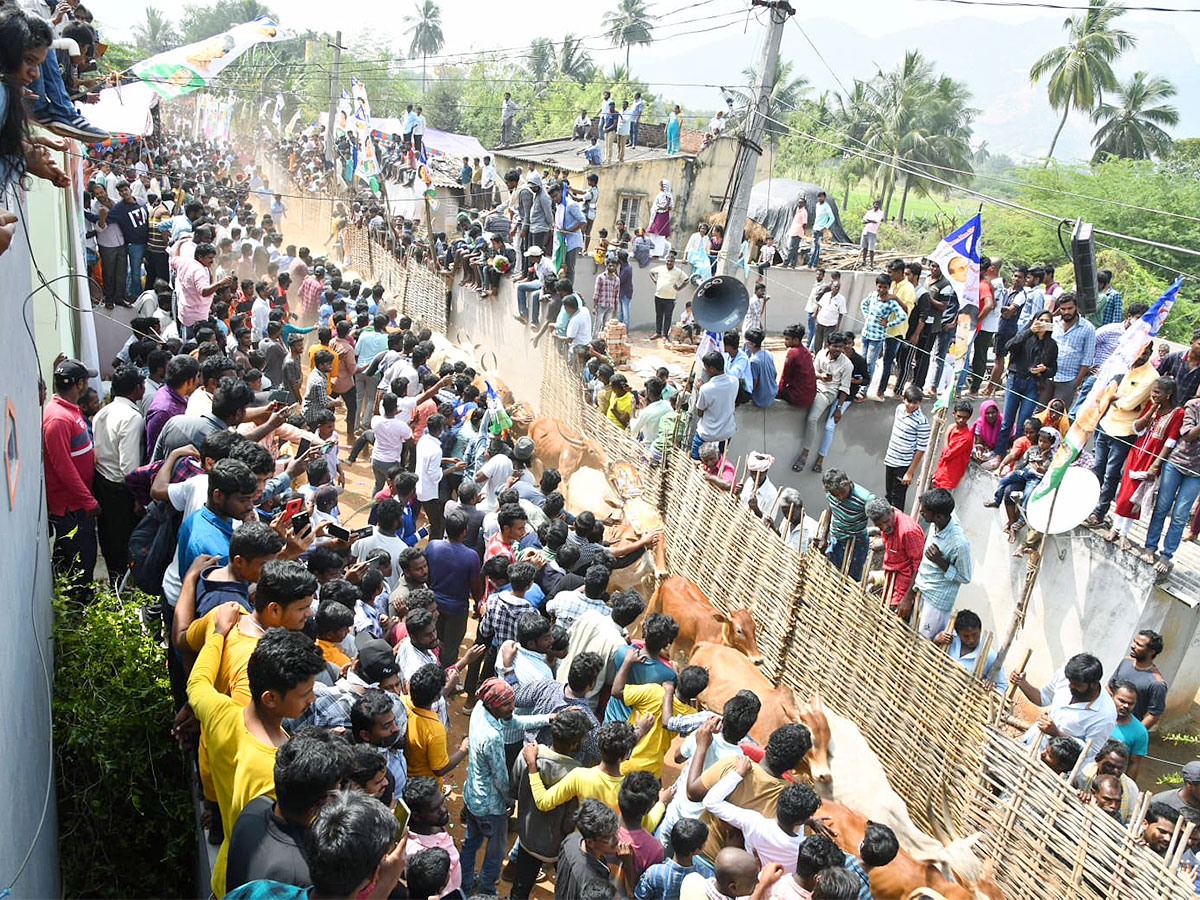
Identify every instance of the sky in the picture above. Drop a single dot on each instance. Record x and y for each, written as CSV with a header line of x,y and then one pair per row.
x,y
704,43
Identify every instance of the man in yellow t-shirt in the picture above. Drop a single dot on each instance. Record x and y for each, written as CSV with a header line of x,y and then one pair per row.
x,y
242,740
615,741
620,401
660,703
426,751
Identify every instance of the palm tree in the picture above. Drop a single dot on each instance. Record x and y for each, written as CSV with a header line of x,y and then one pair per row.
x,y
1133,128
426,31
541,59
1081,70
573,59
785,97
156,34
630,23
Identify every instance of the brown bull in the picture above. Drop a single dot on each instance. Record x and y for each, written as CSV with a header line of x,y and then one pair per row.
x,y
558,447
904,874
730,671
701,622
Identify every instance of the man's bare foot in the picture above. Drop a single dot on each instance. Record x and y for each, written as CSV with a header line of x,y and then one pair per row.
x,y
1125,544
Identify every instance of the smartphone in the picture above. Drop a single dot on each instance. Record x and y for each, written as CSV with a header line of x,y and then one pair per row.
x,y
337,531
423,532
365,531
300,521
293,506
327,446
402,814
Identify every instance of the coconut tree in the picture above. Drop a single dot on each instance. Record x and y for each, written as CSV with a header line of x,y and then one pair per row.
x,y
156,33
1133,127
425,31
541,59
786,94
1078,72
573,59
630,23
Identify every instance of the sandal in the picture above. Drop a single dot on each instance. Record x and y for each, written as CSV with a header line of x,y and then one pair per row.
x,y
1093,521
798,465
992,504
816,467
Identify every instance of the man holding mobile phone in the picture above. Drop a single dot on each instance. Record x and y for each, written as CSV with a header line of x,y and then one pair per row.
x,y
430,463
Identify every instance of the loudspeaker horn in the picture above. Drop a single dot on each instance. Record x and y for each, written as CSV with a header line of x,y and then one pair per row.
x,y
1083,255
720,303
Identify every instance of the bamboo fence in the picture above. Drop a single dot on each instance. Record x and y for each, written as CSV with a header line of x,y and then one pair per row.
x,y
931,722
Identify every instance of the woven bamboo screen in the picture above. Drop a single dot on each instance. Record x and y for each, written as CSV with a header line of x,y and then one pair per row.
x,y
922,713
416,291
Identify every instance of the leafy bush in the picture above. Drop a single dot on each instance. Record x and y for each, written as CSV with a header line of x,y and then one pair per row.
x,y
124,804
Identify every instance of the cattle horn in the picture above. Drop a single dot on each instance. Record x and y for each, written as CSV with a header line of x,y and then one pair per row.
x,y
574,442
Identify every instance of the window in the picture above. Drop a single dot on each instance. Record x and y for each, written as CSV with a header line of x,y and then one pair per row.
x,y
629,209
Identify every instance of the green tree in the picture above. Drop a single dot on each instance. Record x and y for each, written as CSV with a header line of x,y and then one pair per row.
x,y
425,30
573,59
911,120
1133,127
630,23
786,94
200,22
1079,71
541,59
155,34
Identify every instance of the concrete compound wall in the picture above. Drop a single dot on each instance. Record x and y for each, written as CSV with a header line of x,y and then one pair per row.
x,y
26,664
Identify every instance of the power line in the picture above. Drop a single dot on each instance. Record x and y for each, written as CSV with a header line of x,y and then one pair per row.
x,y
1030,4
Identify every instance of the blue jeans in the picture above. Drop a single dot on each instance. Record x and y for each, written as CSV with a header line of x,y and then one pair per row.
x,y
494,830
871,350
1108,461
1017,480
1084,390
830,428
137,252
945,339
52,101
697,441
623,304
815,256
524,289
1176,494
812,329
633,130
1020,400
837,553
891,349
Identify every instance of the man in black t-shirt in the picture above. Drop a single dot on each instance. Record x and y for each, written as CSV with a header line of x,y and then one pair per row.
x,y
266,839
581,858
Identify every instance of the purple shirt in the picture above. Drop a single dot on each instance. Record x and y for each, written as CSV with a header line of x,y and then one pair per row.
x,y
626,276
166,404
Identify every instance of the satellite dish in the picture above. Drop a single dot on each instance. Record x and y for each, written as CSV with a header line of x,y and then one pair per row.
x,y
720,303
1077,496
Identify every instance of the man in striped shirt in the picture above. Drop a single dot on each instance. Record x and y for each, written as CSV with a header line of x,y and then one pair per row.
x,y
848,521
906,446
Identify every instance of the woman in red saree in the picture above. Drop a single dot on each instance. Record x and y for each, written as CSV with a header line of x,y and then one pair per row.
x,y
1158,431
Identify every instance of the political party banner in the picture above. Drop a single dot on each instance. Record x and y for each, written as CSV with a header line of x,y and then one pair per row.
x,y
1132,342
291,125
277,115
189,68
958,256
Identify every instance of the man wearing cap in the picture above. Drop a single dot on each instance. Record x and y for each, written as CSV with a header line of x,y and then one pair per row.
x,y
374,667
758,493
70,467
485,789
540,224
1187,795
539,268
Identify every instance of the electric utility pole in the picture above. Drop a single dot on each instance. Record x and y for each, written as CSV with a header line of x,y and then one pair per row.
x,y
749,150
333,96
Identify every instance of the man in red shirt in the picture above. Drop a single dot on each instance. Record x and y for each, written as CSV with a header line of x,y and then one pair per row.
x,y
70,465
798,380
903,543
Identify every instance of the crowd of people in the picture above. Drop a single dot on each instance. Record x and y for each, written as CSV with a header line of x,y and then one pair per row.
x,y
316,666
